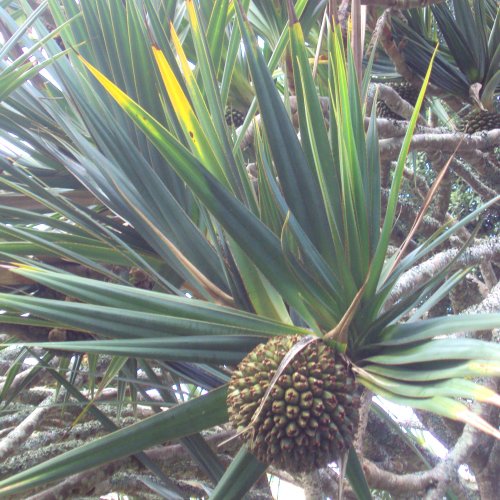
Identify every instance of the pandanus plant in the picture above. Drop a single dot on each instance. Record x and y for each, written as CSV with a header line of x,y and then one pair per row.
x,y
273,293
467,63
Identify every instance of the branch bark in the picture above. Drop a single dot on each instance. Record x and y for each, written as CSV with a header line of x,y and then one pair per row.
x,y
446,143
482,251
396,103
23,431
400,4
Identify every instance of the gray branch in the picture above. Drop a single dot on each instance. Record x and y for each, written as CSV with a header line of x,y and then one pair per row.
x,y
23,431
446,143
396,103
485,250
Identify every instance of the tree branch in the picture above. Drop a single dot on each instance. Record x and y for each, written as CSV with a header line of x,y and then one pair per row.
x,y
387,128
446,143
397,484
23,431
400,4
396,103
490,304
440,475
482,251
173,457
472,180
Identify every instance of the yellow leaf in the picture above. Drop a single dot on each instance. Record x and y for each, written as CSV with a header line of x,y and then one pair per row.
x,y
179,100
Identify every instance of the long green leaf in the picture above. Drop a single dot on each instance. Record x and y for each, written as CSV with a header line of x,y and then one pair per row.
x,y
258,241
240,476
378,259
443,349
300,184
229,350
21,30
315,140
406,333
454,388
106,422
440,405
215,30
130,298
121,323
197,414
356,476
439,370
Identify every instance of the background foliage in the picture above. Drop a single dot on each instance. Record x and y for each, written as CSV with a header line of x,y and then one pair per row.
x,y
149,241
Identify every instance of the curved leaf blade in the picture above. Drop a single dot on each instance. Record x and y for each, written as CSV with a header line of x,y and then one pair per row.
x,y
240,476
440,349
197,414
214,350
